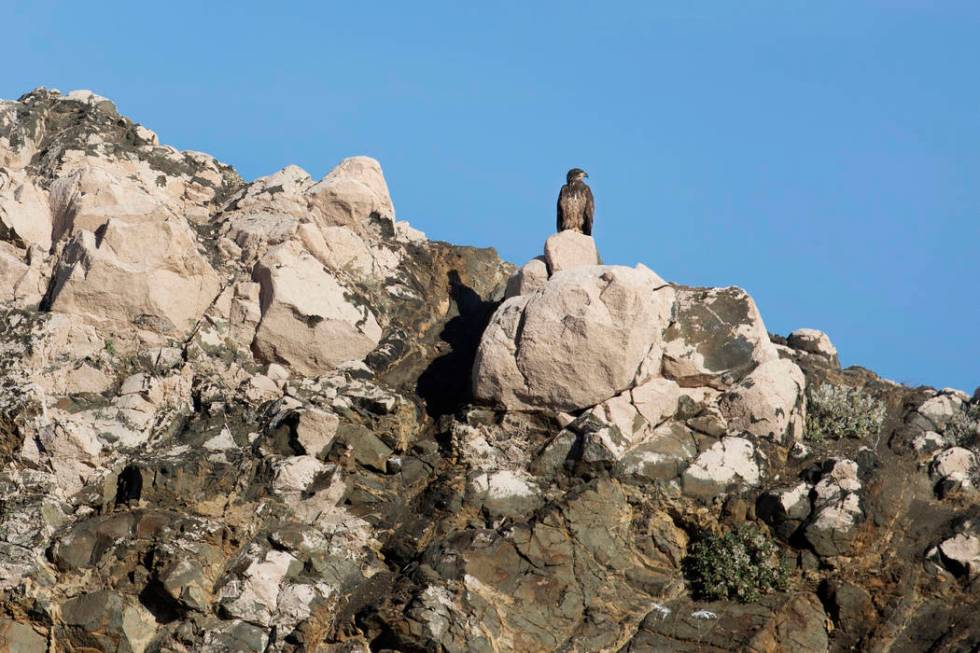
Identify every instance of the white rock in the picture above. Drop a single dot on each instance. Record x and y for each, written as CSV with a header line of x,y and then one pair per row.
x,y
812,341
316,430
307,321
729,463
574,344
568,249
24,210
338,248
961,554
955,464
145,274
531,278
350,194
255,596
940,409
296,473
656,400
768,402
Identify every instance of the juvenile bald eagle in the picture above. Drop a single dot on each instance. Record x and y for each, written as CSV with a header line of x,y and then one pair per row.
x,y
575,204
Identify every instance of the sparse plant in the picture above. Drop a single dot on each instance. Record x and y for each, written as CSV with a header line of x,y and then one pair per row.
x,y
110,348
741,565
839,411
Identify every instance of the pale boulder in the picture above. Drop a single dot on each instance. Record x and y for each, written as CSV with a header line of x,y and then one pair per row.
x,y
350,194
145,274
338,248
531,278
568,249
729,463
308,322
579,341
316,430
768,402
716,338
656,400
25,217
813,342
961,555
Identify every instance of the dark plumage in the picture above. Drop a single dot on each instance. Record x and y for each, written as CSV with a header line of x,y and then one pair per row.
x,y
576,207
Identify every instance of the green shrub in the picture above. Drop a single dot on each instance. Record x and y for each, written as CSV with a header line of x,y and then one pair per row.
x,y
742,565
838,411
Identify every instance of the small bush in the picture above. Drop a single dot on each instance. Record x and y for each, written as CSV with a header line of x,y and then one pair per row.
x,y
742,565
838,411
962,428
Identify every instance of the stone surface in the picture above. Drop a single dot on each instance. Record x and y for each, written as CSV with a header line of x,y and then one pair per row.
x,y
728,464
716,338
814,342
579,341
569,249
768,402
350,194
531,278
308,321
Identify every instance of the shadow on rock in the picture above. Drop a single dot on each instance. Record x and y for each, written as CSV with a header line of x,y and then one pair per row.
x,y
445,384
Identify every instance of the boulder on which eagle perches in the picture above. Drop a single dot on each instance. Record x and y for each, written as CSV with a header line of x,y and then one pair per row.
x,y
569,249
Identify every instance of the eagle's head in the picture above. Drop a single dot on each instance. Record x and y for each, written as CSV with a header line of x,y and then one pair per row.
x,y
575,174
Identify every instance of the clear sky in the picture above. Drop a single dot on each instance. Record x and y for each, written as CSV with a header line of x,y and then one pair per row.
x,y
823,155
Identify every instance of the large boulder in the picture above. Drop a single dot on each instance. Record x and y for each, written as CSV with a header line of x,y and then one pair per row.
x,y
148,274
716,338
768,402
308,319
813,342
728,464
532,277
579,341
568,249
25,217
351,194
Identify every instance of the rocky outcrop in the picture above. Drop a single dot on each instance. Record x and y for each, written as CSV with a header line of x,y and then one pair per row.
x,y
267,416
580,340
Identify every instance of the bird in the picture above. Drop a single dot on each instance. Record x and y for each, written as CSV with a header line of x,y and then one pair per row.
x,y
575,204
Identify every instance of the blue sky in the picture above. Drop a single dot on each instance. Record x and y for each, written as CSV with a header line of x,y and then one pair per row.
x,y
823,155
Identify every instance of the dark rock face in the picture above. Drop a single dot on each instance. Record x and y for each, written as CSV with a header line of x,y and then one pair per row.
x,y
177,492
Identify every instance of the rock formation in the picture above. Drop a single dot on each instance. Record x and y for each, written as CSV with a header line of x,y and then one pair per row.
x,y
269,416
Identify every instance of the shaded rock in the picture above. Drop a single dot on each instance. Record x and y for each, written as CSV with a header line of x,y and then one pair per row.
x,y
568,249
785,509
836,509
661,457
717,336
961,555
20,638
576,343
851,608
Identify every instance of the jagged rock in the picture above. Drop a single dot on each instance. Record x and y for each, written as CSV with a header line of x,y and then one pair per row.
x,y
147,275
106,621
836,509
569,249
253,596
20,638
25,217
961,555
785,509
576,343
814,342
316,430
768,402
308,322
729,464
350,194
661,457
531,278
953,468
716,337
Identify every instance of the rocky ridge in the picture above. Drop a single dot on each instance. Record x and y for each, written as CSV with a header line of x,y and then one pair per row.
x,y
270,416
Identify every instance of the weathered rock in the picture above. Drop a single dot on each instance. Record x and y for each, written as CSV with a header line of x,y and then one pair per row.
x,y
661,457
308,322
785,509
836,509
768,402
25,217
531,278
728,465
350,195
961,555
569,249
814,342
148,275
716,338
20,638
576,343
106,621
